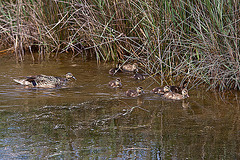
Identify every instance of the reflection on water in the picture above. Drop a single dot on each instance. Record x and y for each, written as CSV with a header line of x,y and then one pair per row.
x,y
89,120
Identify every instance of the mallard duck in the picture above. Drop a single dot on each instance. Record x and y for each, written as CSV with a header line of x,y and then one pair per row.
x,y
176,96
137,75
43,81
178,89
161,90
129,67
135,93
115,83
113,71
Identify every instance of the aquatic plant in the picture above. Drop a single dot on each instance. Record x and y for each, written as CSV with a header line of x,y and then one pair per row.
x,y
196,40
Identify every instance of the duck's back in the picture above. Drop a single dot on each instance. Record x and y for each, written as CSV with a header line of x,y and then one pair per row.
x,y
173,96
158,90
131,93
42,81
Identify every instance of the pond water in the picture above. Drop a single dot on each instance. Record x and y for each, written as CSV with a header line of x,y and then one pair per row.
x,y
89,120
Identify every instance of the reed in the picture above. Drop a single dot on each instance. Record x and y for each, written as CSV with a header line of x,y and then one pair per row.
x,y
196,40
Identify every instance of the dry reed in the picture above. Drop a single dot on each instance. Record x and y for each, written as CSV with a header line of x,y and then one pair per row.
x,y
196,40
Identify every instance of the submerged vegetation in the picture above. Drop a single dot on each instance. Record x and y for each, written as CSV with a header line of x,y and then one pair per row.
x,y
195,40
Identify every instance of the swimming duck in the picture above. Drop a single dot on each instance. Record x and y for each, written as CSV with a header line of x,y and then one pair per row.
x,y
176,96
137,75
113,71
115,83
129,67
161,90
178,89
135,93
43,81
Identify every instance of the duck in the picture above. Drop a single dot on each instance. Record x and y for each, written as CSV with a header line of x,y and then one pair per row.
x,y
161,90
113,71
178,89
137,75
135,93
176,96
129,67
115,83
44,81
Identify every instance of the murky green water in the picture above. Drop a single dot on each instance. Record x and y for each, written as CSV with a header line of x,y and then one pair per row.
x,y
89,120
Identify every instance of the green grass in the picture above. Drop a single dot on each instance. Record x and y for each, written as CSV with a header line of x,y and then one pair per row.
x,y
196,40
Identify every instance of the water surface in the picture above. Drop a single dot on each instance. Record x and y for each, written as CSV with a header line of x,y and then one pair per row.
x,y
89,120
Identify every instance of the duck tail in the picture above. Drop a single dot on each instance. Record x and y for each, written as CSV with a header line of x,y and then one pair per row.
x,y
22,82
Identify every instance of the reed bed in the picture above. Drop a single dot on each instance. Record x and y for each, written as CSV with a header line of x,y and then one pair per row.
x,y
195,40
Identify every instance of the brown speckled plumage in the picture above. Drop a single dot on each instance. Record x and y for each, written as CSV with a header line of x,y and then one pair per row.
x,y
115,83
176,96
43,81
135,93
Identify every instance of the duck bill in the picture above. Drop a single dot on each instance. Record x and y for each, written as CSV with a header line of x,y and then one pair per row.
x,y
74,78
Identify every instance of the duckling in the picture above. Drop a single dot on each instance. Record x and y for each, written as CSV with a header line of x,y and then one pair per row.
x,y
178,89
137,75
135,93
129,67
43,81
113,71
176,96
161,90
115,83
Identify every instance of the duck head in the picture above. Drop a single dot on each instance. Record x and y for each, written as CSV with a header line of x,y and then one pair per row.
x,y
166,89
70,75
139,90
118,81
185,93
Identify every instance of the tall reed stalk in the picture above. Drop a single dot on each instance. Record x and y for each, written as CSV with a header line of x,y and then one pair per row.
x,y
196,40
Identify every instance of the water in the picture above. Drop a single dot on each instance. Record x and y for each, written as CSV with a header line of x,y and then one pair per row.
x,y
89,120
